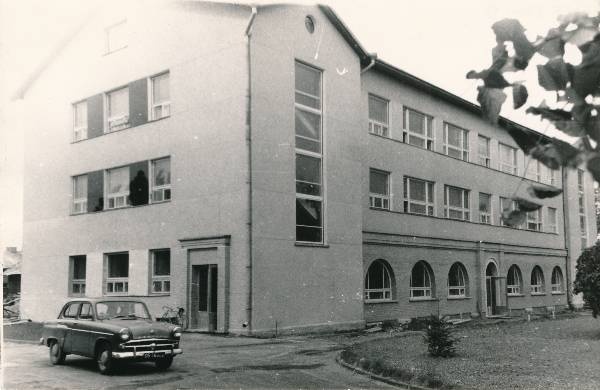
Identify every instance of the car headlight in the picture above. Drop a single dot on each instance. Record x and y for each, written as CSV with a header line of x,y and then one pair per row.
x,y
124,333
177,332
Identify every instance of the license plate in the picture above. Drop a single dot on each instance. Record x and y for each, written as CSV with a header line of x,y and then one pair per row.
x,y
150,355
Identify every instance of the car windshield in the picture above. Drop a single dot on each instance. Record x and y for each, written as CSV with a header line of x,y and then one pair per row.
x,y
126,310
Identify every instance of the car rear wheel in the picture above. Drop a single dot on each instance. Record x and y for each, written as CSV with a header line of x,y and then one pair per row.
x,y
57,355
164,363
104,359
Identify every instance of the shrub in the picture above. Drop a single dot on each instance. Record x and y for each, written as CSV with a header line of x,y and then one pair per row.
x,y
587,279
417,324
439,338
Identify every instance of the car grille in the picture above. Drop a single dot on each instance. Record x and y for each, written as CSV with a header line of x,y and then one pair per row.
x,y
149,345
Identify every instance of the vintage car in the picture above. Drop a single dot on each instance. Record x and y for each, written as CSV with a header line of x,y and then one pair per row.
x,y
110,330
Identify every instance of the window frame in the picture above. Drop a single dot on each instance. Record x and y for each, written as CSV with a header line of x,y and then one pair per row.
x,y
123,280
488,216
484,160
385,199
118,195
428,290
510,168
514,289
79,205
165,188
465,210
513,207
460,290
152,105
80,132
463,149
320,199
536,222
80,283
408,201
376,127
164,280
538,287
557,285
428,135
121,121
552,224
386,292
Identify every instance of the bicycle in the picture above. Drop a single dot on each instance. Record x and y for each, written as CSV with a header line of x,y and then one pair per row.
x,y
174,316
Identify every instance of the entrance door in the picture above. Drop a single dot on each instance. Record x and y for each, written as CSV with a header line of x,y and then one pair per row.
x,y
491,289
204,297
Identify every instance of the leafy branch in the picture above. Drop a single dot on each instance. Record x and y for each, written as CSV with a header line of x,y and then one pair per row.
x,y
577,87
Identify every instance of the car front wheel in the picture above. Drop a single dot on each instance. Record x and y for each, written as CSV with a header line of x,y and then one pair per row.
x,y
57,355
104,359
164,363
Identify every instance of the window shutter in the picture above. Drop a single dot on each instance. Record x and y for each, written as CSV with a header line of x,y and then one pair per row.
x,y
95,116
139,186
138,102
95,191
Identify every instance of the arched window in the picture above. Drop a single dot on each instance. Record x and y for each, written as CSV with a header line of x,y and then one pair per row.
x,y
421,281
457,281
514,281
557,280
537,280
378,283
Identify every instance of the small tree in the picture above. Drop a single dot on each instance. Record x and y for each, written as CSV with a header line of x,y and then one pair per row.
x,y
587,279
439,338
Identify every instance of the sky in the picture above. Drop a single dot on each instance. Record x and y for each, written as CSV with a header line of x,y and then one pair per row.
x,y
438,41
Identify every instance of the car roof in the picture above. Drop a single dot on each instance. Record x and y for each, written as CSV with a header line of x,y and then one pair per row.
x,y
105,299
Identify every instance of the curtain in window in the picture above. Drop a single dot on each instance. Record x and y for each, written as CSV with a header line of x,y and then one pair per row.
x,y
378,109
378,183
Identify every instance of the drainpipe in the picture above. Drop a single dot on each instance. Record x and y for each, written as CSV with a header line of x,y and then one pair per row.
x,y
248,34
567,235
371,64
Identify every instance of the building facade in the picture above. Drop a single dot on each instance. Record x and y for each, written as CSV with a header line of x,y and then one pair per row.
x,y
258,168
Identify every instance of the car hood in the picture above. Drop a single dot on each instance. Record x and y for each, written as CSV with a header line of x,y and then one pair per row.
x,y
142,329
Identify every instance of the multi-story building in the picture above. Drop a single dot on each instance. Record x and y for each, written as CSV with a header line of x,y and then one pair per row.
x,y
259,168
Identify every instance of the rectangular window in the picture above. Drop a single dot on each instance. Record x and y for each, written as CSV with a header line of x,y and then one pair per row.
x,y
116,36
418,129
77,275
161,180
548,176
507,204
456,142
379,189
80,121
534,220
161,271
378,116
508,159
485,208
80,194
552,225
418,196
161,97
483,150
117,274
117,109
117,187
534,170
456,203
309,154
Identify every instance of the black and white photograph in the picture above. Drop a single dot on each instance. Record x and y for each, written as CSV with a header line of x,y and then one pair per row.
x,y
344,194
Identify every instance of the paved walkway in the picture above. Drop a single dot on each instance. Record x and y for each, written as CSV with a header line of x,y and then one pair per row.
x,y
207,362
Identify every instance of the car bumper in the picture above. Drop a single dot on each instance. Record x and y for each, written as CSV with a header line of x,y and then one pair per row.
x,y
146,354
